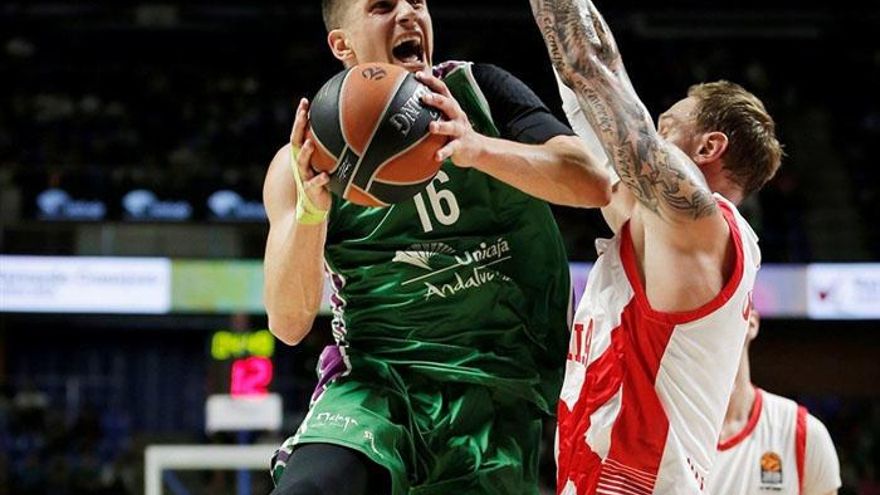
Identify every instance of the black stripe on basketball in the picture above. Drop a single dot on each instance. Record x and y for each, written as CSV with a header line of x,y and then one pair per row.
x,y
392,193
370,131
324,116
365,170
322,148
404,123
343,174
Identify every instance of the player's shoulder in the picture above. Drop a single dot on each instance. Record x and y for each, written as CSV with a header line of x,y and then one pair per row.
x,y
490,78
488,73
743,225
778,406
816,428
280,161
821,455
784,406
485,68
505,91
480,70
278,184
282,155
776,400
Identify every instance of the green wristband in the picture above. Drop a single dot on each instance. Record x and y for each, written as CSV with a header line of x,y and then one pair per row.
x,y
306,211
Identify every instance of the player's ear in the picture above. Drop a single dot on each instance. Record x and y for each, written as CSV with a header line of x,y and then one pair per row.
x,y
339,45
754,323
711,147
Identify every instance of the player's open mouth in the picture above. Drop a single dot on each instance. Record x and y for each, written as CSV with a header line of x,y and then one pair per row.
x,y
408,51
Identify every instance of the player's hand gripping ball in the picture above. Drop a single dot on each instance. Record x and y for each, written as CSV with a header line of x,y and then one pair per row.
x,y
370,131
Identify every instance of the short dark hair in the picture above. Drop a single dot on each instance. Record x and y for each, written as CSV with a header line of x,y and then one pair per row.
x,y
754,153
331,11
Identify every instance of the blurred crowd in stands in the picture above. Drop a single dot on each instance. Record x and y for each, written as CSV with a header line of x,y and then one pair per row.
x,y
44,452
187,111
98,107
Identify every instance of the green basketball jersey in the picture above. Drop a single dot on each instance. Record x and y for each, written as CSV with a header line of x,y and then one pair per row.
x,y
467,282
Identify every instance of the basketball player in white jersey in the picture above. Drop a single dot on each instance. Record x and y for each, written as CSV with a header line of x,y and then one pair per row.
x,y
770,444
660,330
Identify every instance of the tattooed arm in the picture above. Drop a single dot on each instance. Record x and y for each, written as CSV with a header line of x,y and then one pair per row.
x,y
660,177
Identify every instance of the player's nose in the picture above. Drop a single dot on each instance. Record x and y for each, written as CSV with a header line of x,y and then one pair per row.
x,y
406,14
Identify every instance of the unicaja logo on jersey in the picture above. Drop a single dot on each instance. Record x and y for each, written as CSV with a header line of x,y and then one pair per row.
x,y
484,252
476,261
420,254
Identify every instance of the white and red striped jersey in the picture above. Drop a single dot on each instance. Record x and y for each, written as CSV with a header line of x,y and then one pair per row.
x,y
645,391
782,450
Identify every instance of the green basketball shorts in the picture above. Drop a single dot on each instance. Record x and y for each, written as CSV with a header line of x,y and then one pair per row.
x,y
434,437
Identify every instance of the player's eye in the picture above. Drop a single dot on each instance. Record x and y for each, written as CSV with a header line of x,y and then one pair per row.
x,y
381,6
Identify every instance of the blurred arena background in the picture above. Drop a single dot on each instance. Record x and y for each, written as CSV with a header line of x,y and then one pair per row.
x,y
134,138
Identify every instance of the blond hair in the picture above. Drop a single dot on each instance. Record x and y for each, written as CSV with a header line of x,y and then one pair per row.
x,y
332,11
753,152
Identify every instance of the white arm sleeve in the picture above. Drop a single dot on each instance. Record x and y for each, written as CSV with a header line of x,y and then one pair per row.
x,y
579,124
821,467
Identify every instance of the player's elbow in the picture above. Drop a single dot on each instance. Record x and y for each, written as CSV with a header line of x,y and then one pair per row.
x,y
606,193
586,181
596,189
289,328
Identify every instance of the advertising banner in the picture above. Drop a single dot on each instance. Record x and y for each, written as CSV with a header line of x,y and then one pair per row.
x,y
47,284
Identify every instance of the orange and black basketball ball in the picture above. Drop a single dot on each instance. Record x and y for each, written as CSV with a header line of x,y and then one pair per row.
x,y
370,131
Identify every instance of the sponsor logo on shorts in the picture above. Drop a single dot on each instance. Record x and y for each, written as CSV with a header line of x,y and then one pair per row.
x,y
471,267
334,420
369,437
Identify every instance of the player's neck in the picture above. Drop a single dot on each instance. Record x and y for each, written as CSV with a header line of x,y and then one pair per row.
x,y
741,400
724,186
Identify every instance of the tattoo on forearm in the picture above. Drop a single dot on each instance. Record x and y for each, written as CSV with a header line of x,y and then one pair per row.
x,y
585,54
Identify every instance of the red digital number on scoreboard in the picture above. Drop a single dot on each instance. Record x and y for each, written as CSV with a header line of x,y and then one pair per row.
x,y
251,376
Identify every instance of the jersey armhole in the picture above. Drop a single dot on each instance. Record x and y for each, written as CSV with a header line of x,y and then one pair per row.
x,y
628,258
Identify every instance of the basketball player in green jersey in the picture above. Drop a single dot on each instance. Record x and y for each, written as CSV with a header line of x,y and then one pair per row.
x,y
450,309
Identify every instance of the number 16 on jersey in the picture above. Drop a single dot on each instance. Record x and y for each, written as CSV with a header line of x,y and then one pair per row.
x,y
443,205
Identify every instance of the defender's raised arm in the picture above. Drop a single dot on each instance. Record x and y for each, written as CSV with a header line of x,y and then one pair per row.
x,y
660,176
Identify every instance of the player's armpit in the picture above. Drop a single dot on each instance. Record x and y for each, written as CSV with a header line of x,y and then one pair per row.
x,y
619,209
679,209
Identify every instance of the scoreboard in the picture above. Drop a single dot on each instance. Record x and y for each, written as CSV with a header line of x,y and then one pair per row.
x,y
243,361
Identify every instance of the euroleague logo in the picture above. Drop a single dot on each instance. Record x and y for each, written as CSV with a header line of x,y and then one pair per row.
x,y
771,469
374,73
